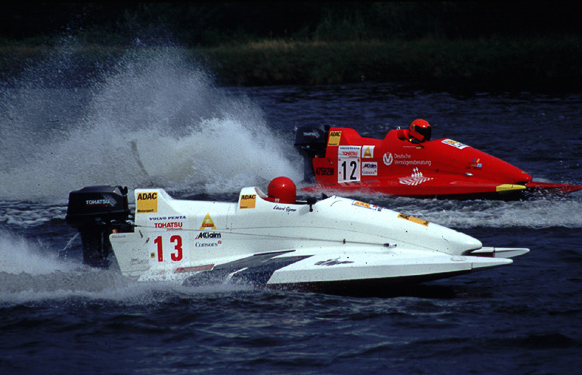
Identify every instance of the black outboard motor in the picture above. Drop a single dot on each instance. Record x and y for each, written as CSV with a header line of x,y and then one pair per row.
x,y
310,142
96,212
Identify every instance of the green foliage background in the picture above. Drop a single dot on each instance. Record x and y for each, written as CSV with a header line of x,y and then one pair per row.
x,y
475,43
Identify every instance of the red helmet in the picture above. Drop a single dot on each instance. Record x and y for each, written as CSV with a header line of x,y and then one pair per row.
x,y
282,190
420,129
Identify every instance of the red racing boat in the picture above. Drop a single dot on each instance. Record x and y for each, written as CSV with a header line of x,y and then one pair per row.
x,y
407,163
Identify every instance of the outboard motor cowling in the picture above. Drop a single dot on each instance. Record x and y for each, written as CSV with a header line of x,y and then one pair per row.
x,y
310,142
96,212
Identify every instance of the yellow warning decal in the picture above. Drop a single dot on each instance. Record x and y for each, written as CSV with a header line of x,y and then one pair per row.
x,y
207,223
334,138
248,201
414,219
147,203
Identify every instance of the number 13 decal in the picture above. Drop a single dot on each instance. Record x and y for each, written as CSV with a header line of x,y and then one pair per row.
x,y
177,253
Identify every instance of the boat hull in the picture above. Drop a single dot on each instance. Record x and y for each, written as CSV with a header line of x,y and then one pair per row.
x,y
340,160
323,245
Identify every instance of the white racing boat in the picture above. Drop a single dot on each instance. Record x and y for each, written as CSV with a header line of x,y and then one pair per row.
x,y
333,245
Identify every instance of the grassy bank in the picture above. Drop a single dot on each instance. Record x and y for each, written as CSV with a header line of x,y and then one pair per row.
x,y
492,62
549,62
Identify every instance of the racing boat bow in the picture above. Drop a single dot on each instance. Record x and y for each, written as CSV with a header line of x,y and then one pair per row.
x,y
334,245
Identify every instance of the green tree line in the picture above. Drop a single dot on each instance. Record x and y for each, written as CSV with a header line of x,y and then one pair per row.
x,y
469,43
212,24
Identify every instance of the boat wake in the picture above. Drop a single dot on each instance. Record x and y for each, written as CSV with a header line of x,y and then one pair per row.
x,y
541,212
151,120
31,272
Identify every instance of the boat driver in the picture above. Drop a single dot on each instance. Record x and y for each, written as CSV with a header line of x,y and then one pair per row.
x,y
420,130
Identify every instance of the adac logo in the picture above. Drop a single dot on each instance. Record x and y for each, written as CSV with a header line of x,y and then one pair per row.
x,y
147,202
334,138
147,196
207,223
248,201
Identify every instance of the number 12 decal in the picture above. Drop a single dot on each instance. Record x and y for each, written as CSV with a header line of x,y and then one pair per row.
x,y
349,170
176,255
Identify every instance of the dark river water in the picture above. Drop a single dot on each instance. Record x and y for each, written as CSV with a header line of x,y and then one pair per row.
x,y
155,120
